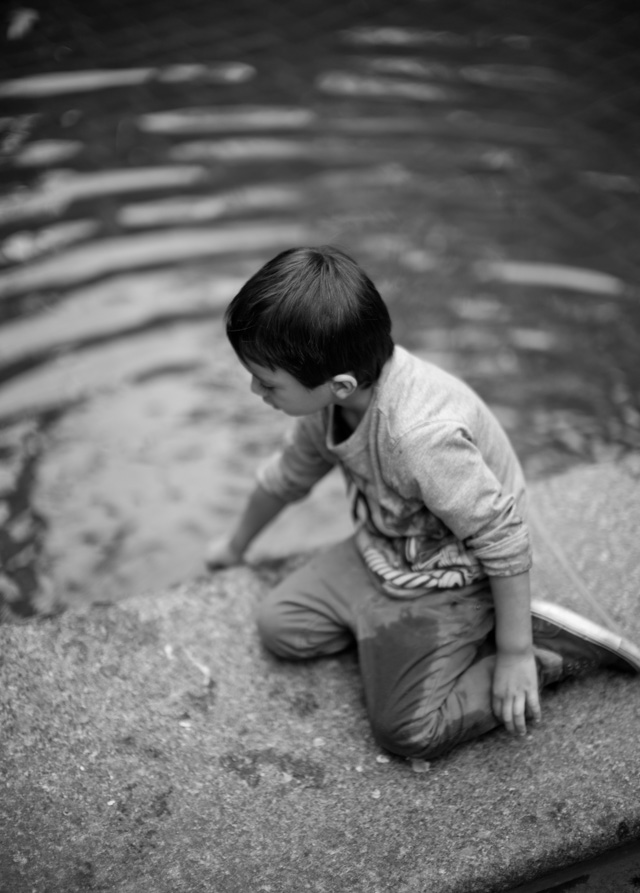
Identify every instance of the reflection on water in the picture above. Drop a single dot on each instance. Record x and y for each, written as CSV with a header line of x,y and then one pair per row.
x,y
57,83
57,191
110,255
552,276
212,120
24,245
350,84
463,164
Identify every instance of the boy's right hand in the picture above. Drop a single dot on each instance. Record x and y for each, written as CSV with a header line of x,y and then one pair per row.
x,y
221,553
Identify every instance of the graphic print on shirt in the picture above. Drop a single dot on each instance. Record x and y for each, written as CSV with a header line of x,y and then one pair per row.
x,y
407,566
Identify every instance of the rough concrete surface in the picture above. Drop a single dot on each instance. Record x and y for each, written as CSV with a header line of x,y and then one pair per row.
x,y
155,746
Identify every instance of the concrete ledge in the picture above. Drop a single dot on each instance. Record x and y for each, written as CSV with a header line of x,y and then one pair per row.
x,y
153,745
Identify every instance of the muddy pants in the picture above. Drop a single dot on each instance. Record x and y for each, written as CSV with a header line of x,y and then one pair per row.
x,y
427,662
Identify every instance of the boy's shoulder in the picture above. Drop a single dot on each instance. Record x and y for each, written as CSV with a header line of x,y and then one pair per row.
x,y
407,362
414,390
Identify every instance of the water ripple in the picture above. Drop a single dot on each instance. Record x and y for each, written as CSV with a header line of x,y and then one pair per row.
x,y
192,209
42,153
398,36
29,244
107,256
113,308
348,83
56,83
552,276
207,120
240,150
59,189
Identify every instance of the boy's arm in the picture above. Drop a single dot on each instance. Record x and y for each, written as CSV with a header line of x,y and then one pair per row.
x,y
261,508
291,472
515,681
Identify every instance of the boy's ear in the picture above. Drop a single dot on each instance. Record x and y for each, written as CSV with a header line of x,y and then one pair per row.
x,y
343,386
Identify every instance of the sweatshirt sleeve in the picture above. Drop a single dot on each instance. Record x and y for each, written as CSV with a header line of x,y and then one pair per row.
x,y
301,462
441,465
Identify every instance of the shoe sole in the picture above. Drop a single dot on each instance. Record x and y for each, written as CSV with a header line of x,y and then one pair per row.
x,y
579,626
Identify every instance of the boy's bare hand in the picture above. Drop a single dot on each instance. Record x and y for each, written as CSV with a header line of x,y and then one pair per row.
x,y
515,691
221,553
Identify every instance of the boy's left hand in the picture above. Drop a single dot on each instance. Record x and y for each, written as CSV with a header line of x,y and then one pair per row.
x,y
515,691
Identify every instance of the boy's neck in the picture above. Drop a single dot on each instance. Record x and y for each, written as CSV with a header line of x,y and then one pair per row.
x,y
354,407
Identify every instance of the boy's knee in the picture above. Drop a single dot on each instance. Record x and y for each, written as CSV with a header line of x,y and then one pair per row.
x,y
408,736
272,629
429,735
291,630
396,733
282,631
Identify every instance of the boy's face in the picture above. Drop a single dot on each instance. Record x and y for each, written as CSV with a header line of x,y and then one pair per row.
x,y
282,391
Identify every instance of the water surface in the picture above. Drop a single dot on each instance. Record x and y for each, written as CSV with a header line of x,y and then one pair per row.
x,y
479,160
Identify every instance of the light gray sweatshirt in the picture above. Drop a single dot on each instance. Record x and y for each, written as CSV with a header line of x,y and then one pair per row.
x,y
437,491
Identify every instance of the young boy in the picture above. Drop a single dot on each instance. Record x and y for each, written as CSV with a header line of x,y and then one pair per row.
x,y
434,584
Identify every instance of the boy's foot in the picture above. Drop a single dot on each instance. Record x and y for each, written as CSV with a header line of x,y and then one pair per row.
x,y
582,644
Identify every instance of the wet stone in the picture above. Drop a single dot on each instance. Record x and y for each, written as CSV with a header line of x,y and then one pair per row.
x,y
255,765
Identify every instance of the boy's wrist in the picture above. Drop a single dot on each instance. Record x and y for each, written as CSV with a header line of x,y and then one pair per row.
x,y
512,601
515,641
238,548
515,652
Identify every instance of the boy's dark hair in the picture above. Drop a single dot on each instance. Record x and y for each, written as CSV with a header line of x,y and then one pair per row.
x,y
313,313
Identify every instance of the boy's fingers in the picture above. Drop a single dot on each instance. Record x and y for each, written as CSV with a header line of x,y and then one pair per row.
x,y
212,562
511,712
506,714
519,722
533,705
